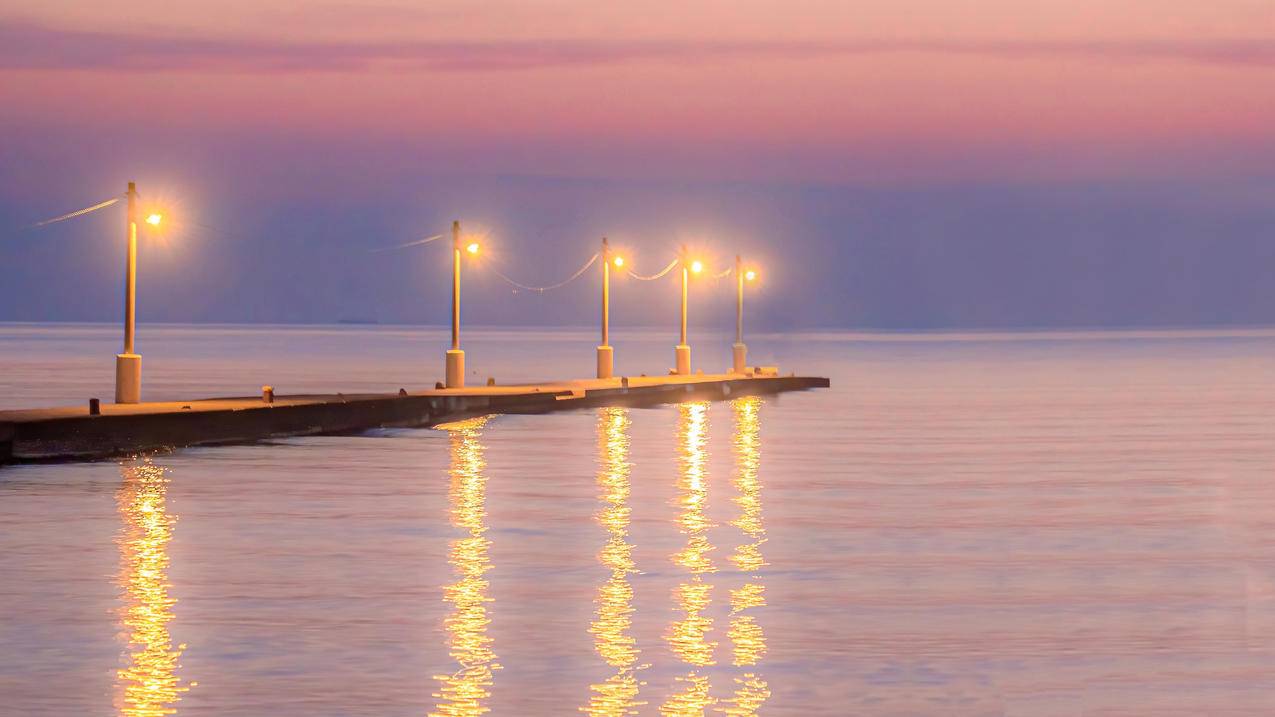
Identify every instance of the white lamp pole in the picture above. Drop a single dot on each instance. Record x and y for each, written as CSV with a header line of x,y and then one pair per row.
x,y
682,352
128,365
739,350
455,357
606,356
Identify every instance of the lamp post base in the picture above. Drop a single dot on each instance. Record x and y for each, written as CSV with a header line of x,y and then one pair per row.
x,y
128,378
682,353
455,369
606,361
740,354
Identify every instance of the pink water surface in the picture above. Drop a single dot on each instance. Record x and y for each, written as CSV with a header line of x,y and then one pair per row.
x,y
965,524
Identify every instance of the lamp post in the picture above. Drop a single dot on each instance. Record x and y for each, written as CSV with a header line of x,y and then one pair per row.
x,y
739,350
682,352
606,356
455,377
128,365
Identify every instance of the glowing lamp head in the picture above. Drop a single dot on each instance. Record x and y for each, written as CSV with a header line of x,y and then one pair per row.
x,y
618,261
697,266
750,275
154,219
472,248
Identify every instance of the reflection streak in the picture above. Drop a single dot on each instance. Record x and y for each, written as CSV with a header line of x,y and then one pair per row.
x,y
610,629
465,691
149,686
747,638
687,637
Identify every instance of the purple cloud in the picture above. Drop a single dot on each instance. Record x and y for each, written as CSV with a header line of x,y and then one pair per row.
x,y
29,46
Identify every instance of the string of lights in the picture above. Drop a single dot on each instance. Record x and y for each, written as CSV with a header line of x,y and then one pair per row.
x,y
519,286
551,287
74,214
128,364
418,242
653,277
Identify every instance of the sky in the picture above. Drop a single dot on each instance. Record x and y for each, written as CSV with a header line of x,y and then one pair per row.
x,y
916,164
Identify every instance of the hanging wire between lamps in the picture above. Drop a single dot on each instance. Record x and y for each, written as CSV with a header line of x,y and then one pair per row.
x,y
653,277
551,287
76,213
418,242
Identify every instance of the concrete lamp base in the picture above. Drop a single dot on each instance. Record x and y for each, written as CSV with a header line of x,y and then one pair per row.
x,y
740,354
682,353
606,361
455,369
128,378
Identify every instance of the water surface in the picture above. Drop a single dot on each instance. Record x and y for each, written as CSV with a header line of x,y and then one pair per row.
x,y
1022,524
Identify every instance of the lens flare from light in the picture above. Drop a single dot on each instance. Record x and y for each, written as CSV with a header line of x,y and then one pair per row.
x,y
472,248
618,261
750,275
697,266
154,219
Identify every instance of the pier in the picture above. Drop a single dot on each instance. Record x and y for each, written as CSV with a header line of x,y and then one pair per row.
x,y
74,433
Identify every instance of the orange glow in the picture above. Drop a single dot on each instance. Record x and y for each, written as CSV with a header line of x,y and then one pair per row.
x,y
472,248
697,266
618,261
154,219
750,275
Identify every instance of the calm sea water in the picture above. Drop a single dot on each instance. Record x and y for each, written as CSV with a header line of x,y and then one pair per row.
x,y
1031,524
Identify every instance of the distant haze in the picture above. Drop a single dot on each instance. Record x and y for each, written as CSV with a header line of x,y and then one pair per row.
x,y
914,164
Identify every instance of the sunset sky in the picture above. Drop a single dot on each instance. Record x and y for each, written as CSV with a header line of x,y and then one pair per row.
x,y
925,163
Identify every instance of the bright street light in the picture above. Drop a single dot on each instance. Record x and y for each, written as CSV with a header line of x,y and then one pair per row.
x,y
697,266
154,219
472,248
750,275
618,261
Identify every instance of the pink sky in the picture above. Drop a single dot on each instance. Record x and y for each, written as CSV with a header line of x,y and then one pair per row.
x,y
799,90
924,163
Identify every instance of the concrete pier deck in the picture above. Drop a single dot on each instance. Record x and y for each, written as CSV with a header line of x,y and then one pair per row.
x,y
70,433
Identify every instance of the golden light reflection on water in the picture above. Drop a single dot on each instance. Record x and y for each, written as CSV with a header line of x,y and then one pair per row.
x,y
746,636
614,615
688,637
465,691
149,686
